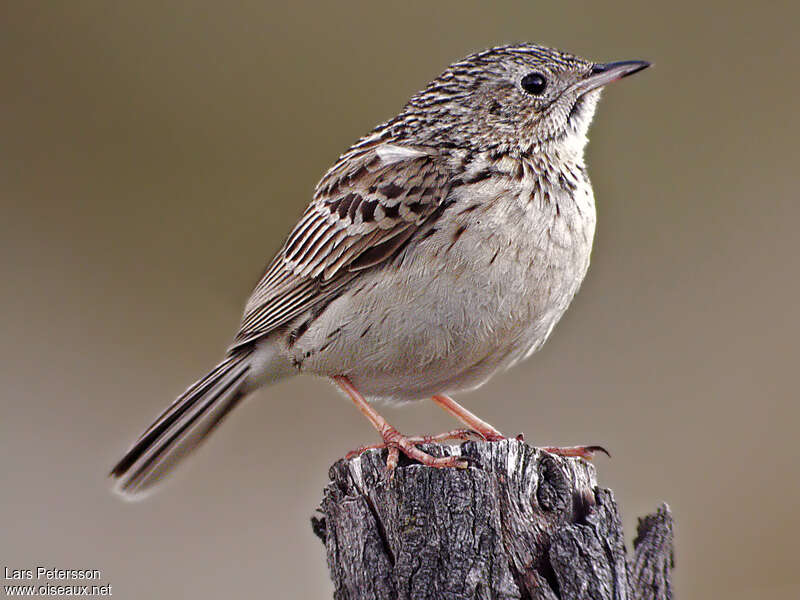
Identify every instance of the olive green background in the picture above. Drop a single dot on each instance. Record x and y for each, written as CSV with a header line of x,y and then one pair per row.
x,y
154,155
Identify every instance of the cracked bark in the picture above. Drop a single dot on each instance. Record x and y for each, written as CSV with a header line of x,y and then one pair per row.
x,y
519,523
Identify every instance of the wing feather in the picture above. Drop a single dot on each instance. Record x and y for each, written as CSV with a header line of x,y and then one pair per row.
x,y
365,208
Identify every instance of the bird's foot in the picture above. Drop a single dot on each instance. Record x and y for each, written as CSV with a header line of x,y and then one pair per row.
x,y
471,420
584,452
493,436
396,442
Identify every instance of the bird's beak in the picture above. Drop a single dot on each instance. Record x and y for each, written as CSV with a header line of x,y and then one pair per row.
x,y
602,74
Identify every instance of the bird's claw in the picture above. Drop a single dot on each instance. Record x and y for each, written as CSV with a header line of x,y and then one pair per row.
x,y
584,452
395,443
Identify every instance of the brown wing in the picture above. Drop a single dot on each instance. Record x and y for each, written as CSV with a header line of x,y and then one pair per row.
x,y
367,206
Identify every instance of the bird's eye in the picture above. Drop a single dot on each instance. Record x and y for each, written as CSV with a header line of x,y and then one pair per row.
x,y
534,83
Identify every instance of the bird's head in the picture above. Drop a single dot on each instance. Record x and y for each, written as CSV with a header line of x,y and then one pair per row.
x,y
512,99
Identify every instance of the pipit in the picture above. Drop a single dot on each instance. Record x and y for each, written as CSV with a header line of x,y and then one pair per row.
x,y
441,248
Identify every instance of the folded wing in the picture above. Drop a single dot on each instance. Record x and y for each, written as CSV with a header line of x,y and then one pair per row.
x,y
364,210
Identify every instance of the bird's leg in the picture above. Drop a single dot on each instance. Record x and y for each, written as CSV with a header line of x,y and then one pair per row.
x,y
393,439
468,418
490,434
455,434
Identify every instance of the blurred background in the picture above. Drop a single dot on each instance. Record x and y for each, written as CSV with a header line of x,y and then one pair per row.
x,y
153,157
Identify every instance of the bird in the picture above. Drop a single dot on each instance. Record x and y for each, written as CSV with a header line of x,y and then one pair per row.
x,y
441,248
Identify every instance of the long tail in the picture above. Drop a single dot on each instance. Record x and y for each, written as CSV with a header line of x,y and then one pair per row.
x,y
182,427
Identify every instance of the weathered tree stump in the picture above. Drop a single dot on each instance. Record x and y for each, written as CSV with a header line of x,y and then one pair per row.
x,y
519,523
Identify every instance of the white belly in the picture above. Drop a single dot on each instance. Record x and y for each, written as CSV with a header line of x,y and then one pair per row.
x,y
460,307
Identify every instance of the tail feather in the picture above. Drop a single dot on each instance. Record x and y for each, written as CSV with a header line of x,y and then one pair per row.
x,y
182,427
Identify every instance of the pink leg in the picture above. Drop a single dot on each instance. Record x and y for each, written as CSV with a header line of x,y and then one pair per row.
x,y
470,419
455,434
490,434
392,439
